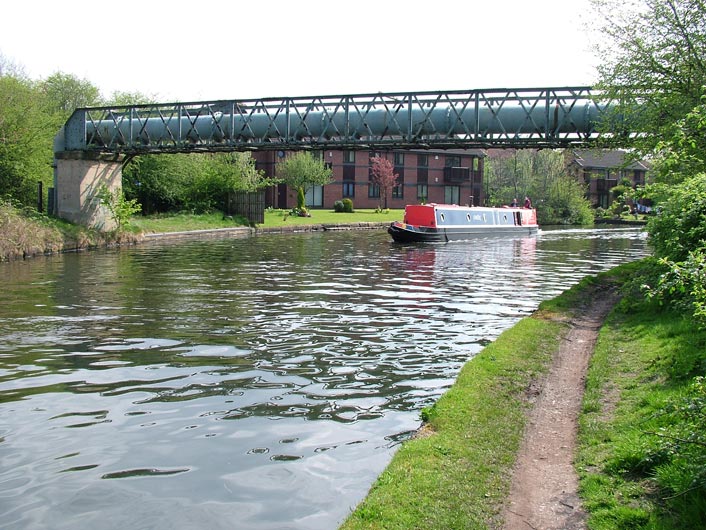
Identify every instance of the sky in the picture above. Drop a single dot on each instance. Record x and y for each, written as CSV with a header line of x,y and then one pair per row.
x,y
209,50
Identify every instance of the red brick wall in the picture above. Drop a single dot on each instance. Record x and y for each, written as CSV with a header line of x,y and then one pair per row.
x,y
436,185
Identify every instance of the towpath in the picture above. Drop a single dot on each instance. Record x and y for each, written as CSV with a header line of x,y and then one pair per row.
x,y
544,491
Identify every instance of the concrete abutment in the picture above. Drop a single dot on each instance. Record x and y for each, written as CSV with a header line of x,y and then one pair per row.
x,y
78,177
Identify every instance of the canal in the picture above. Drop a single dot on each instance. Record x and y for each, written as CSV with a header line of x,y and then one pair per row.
x,y
258,383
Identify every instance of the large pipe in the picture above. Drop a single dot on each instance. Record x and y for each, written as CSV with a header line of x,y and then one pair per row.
x,y
405,121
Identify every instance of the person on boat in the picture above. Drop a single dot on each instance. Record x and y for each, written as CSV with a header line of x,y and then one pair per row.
x,y
514,203
528,202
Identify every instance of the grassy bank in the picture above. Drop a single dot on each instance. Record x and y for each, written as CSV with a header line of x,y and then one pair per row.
x,y
25,233
642,454
456,473
273,218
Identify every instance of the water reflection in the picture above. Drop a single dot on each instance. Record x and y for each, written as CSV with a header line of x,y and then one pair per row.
x,y
264,381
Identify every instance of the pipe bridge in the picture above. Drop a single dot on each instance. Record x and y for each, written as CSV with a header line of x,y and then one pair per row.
x,y
528,117
93,144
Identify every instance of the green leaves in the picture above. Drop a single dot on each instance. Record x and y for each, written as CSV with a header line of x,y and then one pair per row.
x,y
120,208
301,170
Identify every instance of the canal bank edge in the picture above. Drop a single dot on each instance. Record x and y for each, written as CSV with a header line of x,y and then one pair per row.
x,y
457,472
45,241
244,231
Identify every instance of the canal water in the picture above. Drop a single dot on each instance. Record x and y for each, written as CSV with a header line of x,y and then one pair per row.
x,y
258,383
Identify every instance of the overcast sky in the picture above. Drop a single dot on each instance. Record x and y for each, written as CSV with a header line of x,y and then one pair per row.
x,y
200,50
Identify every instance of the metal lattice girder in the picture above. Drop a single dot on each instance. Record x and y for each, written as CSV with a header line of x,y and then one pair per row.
x,y
534,117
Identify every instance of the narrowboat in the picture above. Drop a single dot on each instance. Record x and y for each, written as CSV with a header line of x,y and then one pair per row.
x,y
448,222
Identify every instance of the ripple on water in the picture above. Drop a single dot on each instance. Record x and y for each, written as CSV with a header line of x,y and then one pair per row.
x,y
265,380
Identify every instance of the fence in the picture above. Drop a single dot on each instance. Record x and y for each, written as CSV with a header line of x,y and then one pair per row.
x,y
249,204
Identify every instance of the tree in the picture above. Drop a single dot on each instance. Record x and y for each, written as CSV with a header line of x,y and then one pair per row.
x,y
541,175
8,68
65,93
196,182
26,138
300,171
129,98
383,176
654,66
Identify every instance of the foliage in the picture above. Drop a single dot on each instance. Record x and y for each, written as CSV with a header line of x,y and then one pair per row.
x,y
31,113
558,197
119,98
684,153
64,93
678,236
680,226
652,66
301,170
347,205
338,206
160,183
26,139
192,182
384,176
121,209
301,199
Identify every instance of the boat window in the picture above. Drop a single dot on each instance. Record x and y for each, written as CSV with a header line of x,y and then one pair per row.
x,y
441,216
468,217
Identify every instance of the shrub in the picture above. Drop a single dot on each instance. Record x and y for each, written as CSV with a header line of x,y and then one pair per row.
x,y
338,206
680,226
678,236
347,205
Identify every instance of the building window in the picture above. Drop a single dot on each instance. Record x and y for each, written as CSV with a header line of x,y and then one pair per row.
x,y
423,160
422,192
373,191
349,157
453,161
314,196
349,189
399,159
398,191
452,194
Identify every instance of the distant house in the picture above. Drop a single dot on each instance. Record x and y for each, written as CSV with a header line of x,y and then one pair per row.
x,y
602,170
452,176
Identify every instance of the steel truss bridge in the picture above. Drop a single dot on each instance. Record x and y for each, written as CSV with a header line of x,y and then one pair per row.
x,y
516,117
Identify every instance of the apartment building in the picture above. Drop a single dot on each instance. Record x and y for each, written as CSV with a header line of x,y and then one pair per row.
x,y
453,176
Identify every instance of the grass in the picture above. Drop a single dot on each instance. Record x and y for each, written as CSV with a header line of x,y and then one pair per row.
x,y
25,233
273,218
642,455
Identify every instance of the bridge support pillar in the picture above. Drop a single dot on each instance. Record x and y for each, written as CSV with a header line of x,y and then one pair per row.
x,y
78,177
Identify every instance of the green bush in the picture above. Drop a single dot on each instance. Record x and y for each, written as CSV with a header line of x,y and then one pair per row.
x,y
347,205
678,236
338,207
680,226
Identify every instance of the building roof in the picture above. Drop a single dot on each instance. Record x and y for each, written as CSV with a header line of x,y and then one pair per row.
x,y
605,159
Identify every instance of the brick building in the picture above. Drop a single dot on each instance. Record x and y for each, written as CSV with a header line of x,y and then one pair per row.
x,y
602,170
453,176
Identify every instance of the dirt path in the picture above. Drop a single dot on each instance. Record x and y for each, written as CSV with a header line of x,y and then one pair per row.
x,y
544,488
